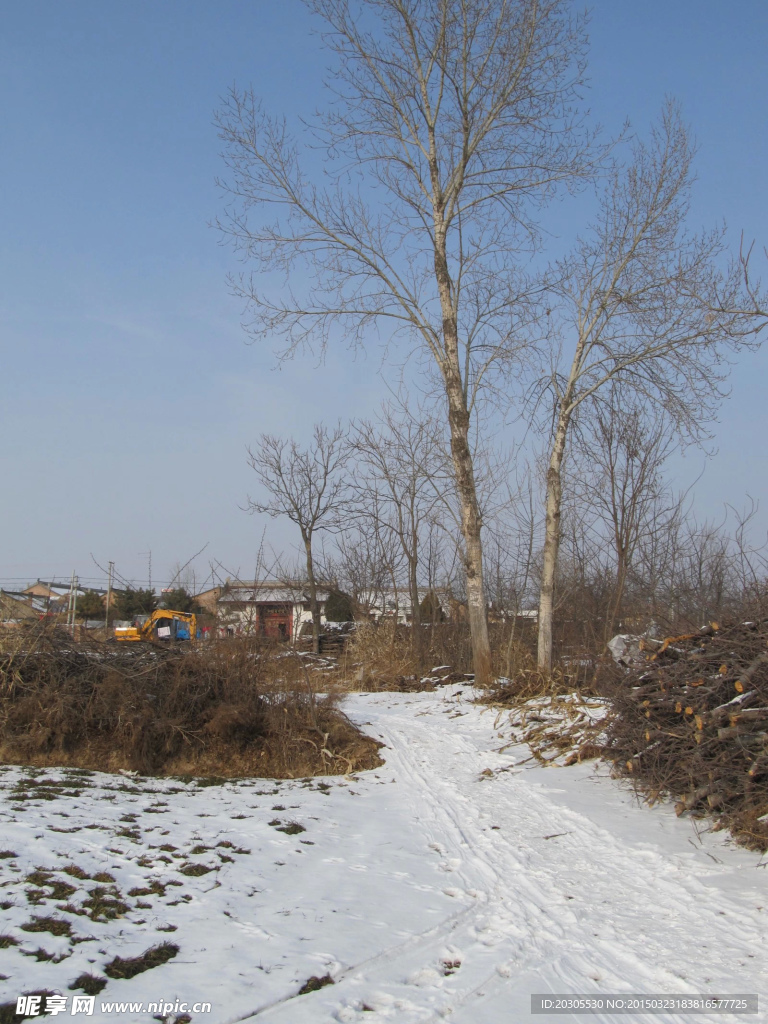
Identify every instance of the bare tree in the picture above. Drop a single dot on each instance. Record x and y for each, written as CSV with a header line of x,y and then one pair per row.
x,y
621,462
719,570
585,582
400,487
647,311
306,486
751,561
361,565
451,124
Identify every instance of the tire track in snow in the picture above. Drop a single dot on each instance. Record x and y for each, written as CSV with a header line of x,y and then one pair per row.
x,y
633,917
509,897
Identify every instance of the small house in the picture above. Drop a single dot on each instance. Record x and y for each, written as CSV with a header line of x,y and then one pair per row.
x,y
267,608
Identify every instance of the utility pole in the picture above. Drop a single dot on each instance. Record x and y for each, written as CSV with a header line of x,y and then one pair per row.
x,y
69,599
72,603
109,596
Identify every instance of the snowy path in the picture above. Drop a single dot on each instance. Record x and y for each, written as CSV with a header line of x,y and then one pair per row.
x,y
601,907
447,885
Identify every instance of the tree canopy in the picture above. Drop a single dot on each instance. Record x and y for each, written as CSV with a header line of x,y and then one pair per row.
x,y
338,607
179,600
90,606
130,603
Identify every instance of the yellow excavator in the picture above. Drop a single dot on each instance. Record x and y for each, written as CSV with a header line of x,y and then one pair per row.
x,y
162,624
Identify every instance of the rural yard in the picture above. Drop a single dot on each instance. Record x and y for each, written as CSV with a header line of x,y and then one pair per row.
x,y
346,338
448,884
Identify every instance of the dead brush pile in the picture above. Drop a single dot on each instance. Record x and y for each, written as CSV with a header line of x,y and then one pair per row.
x,y
559,723
221,709
562,728
692,724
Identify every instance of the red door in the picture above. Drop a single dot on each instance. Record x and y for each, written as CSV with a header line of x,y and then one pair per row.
x,y
276,621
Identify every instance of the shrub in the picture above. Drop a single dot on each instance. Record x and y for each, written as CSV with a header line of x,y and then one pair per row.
x,y
431,609
229,709
338,607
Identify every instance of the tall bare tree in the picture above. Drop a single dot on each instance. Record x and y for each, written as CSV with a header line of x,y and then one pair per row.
x,y
451,123
306,486
645,309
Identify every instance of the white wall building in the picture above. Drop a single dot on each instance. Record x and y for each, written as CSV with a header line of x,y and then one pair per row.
x,y
268,608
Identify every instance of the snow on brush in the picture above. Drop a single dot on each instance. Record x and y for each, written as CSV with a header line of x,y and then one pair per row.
x,y
447,885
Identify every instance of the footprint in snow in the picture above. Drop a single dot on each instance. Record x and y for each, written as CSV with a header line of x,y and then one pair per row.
x,y
427,977
384,1005
451,959
450,865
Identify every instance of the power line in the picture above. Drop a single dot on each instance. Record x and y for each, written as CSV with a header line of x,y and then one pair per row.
x,y
11,582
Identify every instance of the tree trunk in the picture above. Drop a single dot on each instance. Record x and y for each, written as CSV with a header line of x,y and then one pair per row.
x,y
618,593
313,606
471,526
416,637
461,453
393,639
551,544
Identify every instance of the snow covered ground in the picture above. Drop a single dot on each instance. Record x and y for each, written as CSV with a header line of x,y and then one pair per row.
x,y
447,885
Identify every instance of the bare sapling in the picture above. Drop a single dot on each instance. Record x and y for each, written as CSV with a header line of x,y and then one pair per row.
x,y
307,486
620,466
399,486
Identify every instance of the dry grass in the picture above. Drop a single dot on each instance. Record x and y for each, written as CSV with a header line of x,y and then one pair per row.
x,y
131,966
91,984
104,904
53,925
314,983
224,710
523,681
380,656
195,870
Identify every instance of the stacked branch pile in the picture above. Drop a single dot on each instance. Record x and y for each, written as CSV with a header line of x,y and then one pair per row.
x,y
691,723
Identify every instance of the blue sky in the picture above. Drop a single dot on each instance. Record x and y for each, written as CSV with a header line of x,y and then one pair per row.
x,y
127,392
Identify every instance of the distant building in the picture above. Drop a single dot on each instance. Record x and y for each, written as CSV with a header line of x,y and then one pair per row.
x,y
208,599
393,604
57,594
396,604
19,606
51,591
281,610
522,615
267,608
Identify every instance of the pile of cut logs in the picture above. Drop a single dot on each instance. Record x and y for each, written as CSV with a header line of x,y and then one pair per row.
x,y
691,723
